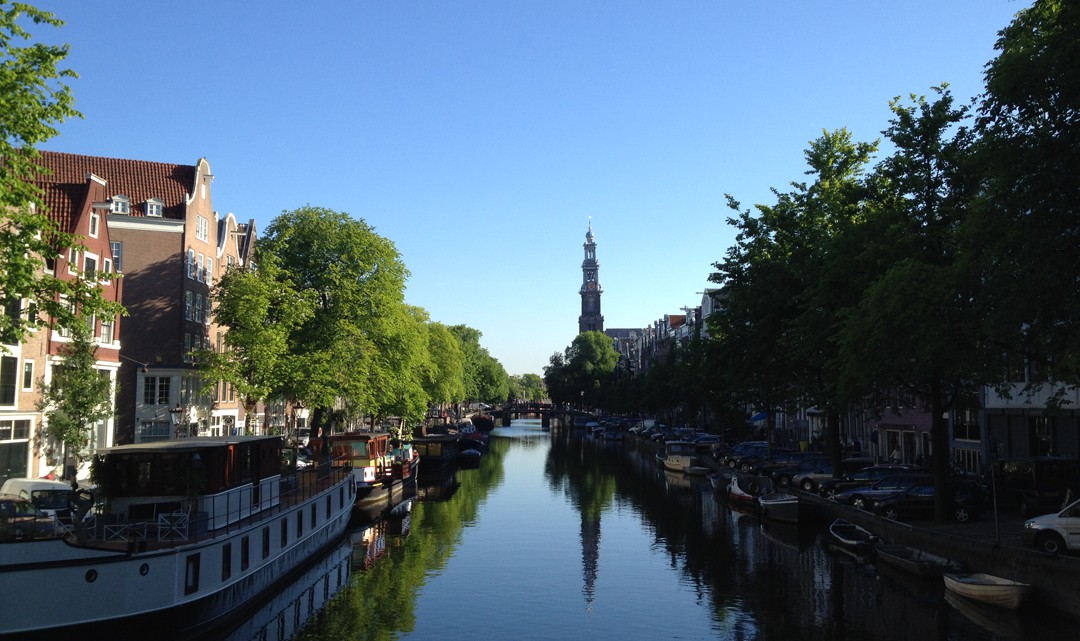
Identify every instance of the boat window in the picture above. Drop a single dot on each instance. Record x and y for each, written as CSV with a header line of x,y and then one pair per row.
x,y
284,532
245,553
360,449
191,576
226,561
266,542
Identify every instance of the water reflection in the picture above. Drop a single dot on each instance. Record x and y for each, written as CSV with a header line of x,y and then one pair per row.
x,y
559,536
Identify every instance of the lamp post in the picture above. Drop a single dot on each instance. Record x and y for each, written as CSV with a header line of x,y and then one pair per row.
x,y
581,406
297,408
178,413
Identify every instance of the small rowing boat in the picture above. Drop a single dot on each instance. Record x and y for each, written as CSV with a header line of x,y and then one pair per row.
x,y
988,588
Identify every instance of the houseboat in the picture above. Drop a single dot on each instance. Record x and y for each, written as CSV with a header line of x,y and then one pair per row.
x,y
437,454
187,531
371,458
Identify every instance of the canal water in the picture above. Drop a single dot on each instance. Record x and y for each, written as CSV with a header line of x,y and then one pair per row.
x,y
556,536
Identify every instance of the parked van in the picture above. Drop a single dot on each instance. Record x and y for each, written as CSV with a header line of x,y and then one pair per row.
x,y
1034,485
1054,533
51,497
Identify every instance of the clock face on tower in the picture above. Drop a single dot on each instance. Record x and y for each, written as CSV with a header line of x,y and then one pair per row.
x,y
592,285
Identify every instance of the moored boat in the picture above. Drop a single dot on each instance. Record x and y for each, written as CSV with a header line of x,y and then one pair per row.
x,y
987,588
745,489
779,506
371,458
915,561
851,537
437,454
193,529
679,456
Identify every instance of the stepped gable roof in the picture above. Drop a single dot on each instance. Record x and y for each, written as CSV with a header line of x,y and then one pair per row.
x,y
139,180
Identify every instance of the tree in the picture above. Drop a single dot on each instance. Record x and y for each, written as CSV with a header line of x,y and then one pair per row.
x,y
446,383
357,282
485,378
1024,231
261,309
591,360
34,99
79,394
914,327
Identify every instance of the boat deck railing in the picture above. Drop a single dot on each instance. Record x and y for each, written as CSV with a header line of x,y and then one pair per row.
x,y
182,527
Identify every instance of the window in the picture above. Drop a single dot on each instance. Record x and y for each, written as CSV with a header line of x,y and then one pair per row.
x,y
284,532
189,309
150,431
120,204
9,378
226,561
199,308
156,390
209,271
155,208
200,274
117,248
299,525
191,263
13,309
28,376
14,430
106,269
207,313
266,542
202,228
187,347
90,267
230,263
95,222
107,331
245,553
72,260
191,575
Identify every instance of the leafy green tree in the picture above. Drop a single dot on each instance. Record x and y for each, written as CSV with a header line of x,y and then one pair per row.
x,y
1024,230
34,99
446,383
261,309
528,387
591,359
914,327
357,281
485,378
78,395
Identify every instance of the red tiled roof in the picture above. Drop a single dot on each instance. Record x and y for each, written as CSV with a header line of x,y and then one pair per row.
x,y
139,180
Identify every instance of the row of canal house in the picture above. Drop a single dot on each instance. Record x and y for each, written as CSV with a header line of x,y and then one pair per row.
x,y
986,427
152,225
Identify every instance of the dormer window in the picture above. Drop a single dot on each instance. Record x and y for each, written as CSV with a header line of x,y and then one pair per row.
x,y
155,208
95,221
120,204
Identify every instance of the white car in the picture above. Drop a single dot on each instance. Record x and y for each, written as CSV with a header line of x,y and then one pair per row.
x,y
1054,533
51,497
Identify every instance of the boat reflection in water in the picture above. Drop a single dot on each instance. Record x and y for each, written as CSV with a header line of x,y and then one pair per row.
x,y
284,614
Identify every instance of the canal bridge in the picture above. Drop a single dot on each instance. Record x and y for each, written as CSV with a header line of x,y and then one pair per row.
x,y
545,411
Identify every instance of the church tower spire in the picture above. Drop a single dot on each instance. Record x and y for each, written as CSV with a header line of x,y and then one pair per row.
x,y
591,318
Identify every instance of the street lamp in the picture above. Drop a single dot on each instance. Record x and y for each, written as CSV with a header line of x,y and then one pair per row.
x,y
178,413
581,406
297,408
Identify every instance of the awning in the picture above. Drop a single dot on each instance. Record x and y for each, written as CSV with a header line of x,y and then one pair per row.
x,y
760,416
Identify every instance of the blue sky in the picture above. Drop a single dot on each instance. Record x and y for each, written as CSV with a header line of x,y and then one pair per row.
x,y
481,136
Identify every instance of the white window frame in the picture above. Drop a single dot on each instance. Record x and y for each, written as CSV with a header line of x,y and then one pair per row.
x,y
200,273
198,308
120,204
28,368
111,338
207,315
97,261
191,264
155,208
95,224
106,269
72,261
209,271
202,228
189,305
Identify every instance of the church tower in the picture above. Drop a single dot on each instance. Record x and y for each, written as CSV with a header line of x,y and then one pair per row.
x,y
590,318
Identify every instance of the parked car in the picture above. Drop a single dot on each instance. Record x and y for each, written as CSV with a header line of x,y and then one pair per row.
x,y
53,498
865,477
918,502
782,459
1034,485
809,479
863,497
19,520
741,449
1054,533
782,476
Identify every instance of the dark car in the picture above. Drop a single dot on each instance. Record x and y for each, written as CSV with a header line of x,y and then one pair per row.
x,y
863,497
754,458
809,479
19,519
865,477
1034,485
917,502
742,449
782,476
781,460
